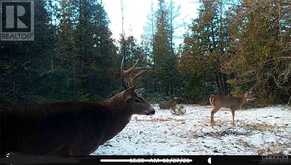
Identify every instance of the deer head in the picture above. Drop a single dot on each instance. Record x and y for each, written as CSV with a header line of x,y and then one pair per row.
x,y
130,98
132,102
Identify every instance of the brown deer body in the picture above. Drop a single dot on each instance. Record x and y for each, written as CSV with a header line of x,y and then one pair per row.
x,y
70,128
67,128
232,102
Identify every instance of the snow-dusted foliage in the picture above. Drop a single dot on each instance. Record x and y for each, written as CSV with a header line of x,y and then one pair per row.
x,y
258,131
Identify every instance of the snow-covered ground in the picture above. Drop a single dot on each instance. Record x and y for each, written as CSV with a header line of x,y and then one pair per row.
x,y
258,131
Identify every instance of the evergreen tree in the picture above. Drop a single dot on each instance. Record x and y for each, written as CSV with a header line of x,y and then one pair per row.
x,y
95,51
24,63
164,57
260,56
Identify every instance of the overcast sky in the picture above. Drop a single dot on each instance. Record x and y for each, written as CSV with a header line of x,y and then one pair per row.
x,y
137,12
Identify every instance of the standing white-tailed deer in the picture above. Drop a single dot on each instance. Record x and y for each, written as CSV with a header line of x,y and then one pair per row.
x,y
67,128
232,102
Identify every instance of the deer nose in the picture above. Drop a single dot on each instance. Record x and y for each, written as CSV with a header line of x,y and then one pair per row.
x,y
151,112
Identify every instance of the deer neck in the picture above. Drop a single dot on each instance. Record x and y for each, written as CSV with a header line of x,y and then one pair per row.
x,y
120,117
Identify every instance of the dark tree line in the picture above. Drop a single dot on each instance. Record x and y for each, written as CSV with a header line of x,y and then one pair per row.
x,y
228,49
72,58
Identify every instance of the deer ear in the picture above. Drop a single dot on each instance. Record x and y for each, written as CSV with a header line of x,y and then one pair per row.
x,y
128,93
139,91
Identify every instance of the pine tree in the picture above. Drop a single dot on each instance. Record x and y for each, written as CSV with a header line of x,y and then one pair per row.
x,y
95,51
164,58
24,63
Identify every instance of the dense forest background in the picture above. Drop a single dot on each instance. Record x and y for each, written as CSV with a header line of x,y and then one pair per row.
x,y
232,46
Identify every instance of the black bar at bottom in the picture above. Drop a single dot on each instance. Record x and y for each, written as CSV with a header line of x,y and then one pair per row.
x,y
176,159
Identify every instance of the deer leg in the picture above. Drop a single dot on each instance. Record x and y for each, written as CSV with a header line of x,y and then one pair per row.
x,y
233,113
214,110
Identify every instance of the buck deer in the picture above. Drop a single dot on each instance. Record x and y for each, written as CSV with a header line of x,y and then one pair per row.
x,y
67,128
232,102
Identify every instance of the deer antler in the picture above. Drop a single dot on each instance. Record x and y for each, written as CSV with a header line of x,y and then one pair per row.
x,y
129,75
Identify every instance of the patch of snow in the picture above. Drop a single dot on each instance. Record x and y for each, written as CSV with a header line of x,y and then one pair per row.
x,y
257,131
